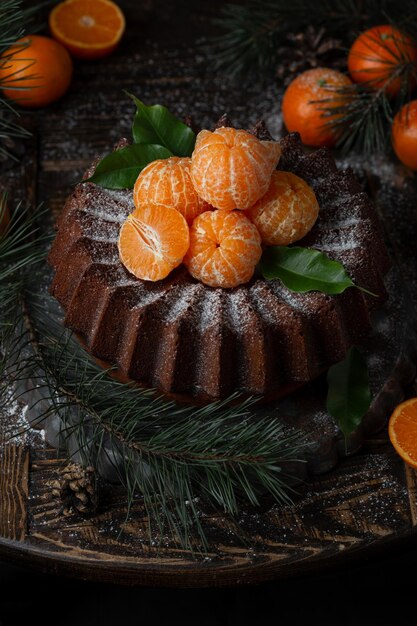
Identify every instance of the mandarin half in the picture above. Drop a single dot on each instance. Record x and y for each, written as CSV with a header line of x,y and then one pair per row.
x,y
287,211
402,430
224,249
89,29
153,241
231,169
167,182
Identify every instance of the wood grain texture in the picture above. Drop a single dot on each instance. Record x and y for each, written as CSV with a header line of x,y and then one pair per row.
x,y
368,501
14,472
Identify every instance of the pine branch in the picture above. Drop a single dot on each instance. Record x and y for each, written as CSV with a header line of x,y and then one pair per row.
x,y
255,31
173,457
361,114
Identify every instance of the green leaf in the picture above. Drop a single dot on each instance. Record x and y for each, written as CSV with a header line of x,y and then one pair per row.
x,y
155,124
304,269
348,396
120,169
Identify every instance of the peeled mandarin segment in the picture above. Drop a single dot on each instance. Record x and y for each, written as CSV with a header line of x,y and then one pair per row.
x,y
224,249
287,212
153,241
167,182
88,28
402,430
231,169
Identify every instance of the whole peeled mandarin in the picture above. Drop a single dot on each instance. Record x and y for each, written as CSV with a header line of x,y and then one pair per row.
x,y
231,169
287,212
167,182
304,113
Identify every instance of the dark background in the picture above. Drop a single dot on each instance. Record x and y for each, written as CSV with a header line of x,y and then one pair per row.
x,y
379,590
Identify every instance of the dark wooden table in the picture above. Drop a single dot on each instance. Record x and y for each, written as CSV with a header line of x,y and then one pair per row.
x,y
366,504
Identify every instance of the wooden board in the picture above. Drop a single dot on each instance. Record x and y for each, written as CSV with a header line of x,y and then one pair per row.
x,y
368,501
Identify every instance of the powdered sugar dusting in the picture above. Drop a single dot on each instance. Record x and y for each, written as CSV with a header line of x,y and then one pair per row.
x,y
241,315
184,298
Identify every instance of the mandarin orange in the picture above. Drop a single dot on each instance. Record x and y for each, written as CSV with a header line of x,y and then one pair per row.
x,y
231,169
35,71
89,29
304,102
377,55
153,241
167,182
224,249
286,212
404,135
402,430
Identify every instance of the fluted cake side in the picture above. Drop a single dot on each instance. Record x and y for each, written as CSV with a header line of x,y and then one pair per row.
x,y
184,337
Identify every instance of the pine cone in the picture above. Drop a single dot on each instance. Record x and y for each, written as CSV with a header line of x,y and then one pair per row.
x,y
307,50
77,488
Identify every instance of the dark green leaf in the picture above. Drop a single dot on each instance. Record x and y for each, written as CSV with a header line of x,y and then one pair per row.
x,y
304,269
120,169
155,124
348,396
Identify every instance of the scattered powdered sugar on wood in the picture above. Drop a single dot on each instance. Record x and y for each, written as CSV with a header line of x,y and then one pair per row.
x,y
13,423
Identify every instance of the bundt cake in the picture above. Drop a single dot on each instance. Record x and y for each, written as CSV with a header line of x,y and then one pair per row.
x,y
183,337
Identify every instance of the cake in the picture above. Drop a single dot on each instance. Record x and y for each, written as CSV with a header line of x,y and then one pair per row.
x,y
203,343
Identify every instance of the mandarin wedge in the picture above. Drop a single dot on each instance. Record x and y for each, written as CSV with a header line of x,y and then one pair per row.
x,y
402,430
224,249
167,182
153,241
231,169
89,29
286,212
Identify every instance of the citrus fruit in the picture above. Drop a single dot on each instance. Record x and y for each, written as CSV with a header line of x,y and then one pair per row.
x,y
224,249
402,430
153,241
286,212
377,54
35,71
167,182
404,135
89,29
304,113
231,169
